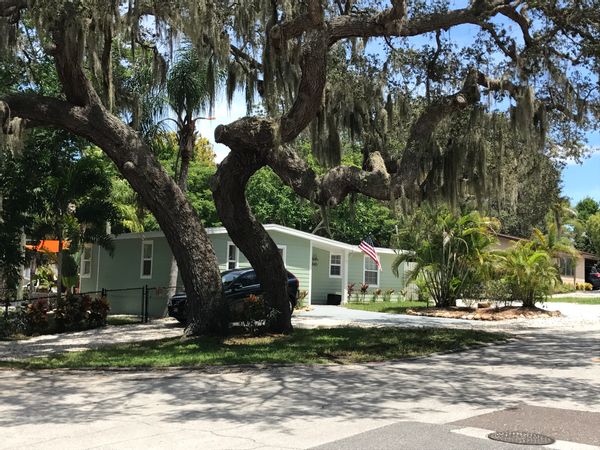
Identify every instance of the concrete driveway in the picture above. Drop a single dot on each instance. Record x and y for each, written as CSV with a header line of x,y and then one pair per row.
x,y
574,317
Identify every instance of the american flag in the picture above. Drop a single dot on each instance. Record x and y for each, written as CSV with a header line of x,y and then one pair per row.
x,y
367,247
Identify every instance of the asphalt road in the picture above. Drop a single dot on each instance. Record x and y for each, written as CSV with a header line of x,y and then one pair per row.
x,y
308,406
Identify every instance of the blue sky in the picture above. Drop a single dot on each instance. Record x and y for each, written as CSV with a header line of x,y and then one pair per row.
x,y
583,180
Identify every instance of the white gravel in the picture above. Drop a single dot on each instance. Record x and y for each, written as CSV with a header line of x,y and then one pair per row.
x,y
52,344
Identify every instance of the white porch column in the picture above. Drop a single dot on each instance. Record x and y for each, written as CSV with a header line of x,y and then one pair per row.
x,y
310,273
345,278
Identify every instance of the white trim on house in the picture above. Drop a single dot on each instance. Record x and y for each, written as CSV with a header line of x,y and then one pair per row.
x,y
339,264
310,272
237,256
345,280
98,270
283,249
146,235
365,257
151,259
84,260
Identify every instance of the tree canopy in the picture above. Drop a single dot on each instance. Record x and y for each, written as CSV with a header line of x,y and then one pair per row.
x,y
426,107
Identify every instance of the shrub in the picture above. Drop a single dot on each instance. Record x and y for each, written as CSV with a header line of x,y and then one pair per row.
x,y
254,314
301,299
499,292
35,316
564,288
583,286
350,288
387,295
376,294
530,274
364,287
72,312
99,308
12,325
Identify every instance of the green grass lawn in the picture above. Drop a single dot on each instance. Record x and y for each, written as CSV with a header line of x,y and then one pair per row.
x,y
580,300
122,320
386,307
317,346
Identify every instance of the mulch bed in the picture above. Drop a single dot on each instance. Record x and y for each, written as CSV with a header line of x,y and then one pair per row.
x,y
492,313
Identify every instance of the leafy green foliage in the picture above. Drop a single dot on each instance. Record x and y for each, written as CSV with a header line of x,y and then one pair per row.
x,y
274,202
529,273
586,208
593,232
448,250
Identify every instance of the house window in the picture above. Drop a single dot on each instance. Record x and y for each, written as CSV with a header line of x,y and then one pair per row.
x,y
335,266
282,252
566,267
86,261
147,255
232,256
371,272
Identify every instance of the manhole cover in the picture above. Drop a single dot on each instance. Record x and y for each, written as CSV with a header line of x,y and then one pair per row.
x,y
521,437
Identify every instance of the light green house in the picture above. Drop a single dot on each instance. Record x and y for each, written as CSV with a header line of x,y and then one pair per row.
x,y
323,266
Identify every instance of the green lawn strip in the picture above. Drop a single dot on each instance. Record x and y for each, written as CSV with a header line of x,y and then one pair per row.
x,y
579,300
316,346
386,307
122,320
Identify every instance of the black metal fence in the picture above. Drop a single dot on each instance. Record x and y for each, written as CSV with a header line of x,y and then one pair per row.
x,y
145,302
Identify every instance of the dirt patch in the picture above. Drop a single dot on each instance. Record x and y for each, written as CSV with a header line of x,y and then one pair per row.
x,y
504,313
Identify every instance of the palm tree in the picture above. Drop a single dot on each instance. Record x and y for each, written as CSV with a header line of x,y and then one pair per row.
x,y
448,250
190,91
529,272
76,207
557,241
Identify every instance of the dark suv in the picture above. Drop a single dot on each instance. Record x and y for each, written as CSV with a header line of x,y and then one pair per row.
x,y
238,284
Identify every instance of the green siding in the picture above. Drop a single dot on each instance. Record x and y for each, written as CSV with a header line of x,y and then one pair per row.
x,y
122,270
387,280
297,258
322,283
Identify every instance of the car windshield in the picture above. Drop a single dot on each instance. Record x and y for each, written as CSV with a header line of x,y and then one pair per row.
x,y
228,277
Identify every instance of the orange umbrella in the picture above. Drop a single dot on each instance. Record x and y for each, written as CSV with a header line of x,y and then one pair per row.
x,y
49,246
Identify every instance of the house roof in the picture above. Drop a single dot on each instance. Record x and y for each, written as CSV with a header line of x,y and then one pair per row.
x,y
516,238
270,227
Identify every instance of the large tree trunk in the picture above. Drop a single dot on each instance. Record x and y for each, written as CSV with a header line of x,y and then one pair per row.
x,y
187,238
248,234
159,192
